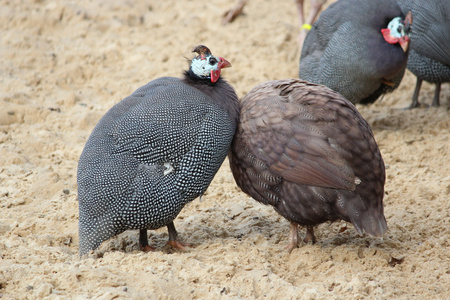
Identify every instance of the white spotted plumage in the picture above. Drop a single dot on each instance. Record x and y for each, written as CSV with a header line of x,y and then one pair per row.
x,y
151,154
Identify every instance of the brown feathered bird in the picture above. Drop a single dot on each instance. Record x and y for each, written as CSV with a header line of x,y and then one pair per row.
x,y
306,150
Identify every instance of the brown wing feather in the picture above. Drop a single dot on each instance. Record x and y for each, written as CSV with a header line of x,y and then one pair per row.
x,y
296,135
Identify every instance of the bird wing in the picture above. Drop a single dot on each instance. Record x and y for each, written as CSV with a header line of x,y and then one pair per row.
x,y
296,136
163,122
432,43
176,125
430,28
345,50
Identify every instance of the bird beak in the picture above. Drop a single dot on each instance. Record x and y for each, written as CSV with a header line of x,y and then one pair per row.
x,y
223,63
404,43
404,40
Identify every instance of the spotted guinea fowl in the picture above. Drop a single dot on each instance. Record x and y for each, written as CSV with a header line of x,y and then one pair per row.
x,y
305,150
429,56
358,48
154,152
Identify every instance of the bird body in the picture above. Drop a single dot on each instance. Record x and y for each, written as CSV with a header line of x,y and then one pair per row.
x,y
305,150
429,57
347,51
151,154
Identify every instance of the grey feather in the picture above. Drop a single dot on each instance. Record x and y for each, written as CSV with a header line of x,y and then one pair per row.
x,y
429,57
151,154
346,51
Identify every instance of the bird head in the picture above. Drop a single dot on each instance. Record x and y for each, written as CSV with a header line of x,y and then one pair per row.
x,y
207,66
398,31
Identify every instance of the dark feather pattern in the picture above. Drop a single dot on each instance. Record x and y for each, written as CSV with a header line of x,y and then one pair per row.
x,y
429,57
151,154
345,50
306,150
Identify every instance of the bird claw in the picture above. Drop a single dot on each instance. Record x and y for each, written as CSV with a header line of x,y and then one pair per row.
x,y
310,237
293,238
148,248
179,245
291,246
416,105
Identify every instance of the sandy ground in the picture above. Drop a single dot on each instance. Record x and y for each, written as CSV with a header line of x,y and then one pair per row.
x,y
65,63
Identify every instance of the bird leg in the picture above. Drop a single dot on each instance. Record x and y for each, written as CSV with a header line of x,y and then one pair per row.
x,y
143,241
314,12
299,4
415,98
437,93
306,25
232,14
310,237
173,234
293,237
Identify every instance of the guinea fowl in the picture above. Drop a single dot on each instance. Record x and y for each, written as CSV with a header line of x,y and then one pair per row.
x,y
429,56
358,48
154,152
305,150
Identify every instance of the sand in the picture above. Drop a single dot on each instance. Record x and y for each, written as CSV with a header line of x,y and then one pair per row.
x,y
65,63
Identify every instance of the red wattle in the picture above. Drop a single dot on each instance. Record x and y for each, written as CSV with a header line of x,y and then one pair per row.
x,y
388,37
215,75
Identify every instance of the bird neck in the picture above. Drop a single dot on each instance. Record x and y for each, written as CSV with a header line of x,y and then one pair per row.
x,y
221,92
190,76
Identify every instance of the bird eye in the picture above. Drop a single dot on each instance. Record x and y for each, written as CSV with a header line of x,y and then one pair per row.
x,y
212,61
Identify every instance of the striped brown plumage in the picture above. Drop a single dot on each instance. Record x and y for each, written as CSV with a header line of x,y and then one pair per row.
x,y
305,150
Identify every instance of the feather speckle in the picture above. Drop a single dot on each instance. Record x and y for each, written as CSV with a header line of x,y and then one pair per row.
x,y
151,154
346,51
